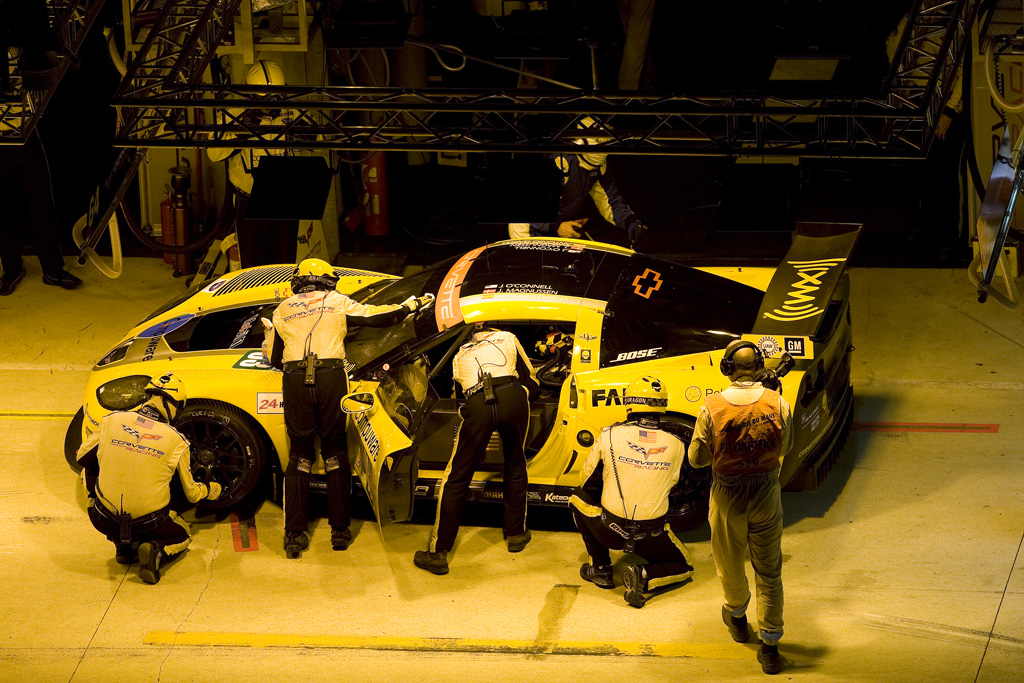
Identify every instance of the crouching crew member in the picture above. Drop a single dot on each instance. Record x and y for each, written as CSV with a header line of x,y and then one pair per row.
x,y
632,468
306,340
743,433
493,372
128,464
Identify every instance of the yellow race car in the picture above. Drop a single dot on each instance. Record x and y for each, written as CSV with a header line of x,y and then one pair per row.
x,y
593,316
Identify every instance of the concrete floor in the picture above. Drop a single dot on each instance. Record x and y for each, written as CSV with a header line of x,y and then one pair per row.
x,y
905,566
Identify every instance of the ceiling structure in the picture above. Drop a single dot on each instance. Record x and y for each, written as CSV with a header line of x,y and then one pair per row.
x,y
163,101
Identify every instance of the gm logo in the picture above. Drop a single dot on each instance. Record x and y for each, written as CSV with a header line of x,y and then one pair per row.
x,y
794,345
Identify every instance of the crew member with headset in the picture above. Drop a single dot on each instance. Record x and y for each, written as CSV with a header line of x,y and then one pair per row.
x,y
743,433
585,174
494,374
127,466
631,469
306,341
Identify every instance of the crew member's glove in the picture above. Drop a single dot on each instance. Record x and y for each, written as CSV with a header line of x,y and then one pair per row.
x,y
414,303
215,491
635,230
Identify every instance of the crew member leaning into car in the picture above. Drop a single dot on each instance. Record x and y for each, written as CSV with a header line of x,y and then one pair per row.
x,y
631,469
584,175
306,340
128,464
494,374
743,433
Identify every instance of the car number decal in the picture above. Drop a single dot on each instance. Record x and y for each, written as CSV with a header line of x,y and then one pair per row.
x,y
253,360
269,403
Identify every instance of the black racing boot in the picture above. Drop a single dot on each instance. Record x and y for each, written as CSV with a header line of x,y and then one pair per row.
x,y
635,584
150,557
768,655
294,543
8,281
737,625
518,542
436,563
125,553
341,540
600,576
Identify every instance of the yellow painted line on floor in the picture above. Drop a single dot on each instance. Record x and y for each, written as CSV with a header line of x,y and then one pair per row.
x,y
33,415
460,645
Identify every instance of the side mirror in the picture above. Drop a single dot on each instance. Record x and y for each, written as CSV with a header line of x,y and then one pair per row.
x,y
358,404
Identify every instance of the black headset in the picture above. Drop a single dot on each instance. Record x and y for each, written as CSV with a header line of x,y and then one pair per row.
x,y
728,366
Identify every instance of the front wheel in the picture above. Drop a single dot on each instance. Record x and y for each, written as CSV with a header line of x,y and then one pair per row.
x,y
226,448
690,498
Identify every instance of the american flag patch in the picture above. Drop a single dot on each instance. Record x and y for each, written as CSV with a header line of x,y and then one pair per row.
x,y
148,424
648,437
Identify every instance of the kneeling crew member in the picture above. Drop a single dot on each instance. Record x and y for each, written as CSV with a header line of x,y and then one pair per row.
x,y
307,342
743,433
128,464
493,371
634,465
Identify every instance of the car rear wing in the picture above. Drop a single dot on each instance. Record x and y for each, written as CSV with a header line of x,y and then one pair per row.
x,y
799,293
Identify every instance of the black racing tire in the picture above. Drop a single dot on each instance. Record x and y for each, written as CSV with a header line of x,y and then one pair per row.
x,y
690,498
73,439
227,447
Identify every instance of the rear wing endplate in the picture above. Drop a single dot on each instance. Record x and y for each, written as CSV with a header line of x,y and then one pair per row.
x,y
802,286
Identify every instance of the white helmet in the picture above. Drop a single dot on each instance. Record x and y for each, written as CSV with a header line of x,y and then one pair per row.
x,y
265,72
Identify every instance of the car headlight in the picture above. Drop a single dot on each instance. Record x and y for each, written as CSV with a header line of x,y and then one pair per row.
x,y
123,393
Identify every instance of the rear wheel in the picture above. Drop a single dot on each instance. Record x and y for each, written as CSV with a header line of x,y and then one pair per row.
x,y
226,448
689,499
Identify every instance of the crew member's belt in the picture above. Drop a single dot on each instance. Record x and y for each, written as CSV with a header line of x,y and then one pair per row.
x,y
633,530
750,479
495,382
127,525
322,364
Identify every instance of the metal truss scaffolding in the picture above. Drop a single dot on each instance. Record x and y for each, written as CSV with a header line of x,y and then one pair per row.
x,y
164,103
20,108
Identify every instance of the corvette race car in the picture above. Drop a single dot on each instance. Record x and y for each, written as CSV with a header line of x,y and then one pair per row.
x,y
593,317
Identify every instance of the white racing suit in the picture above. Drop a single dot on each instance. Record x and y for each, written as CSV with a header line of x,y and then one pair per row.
x,y
128,464
634,465
498,354
306,325
742,433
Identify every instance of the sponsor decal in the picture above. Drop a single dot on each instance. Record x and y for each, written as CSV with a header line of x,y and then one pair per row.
x,y
586,337
801,305
369,438
269,403
642,464
167,326
637,355
533,497
252,361
693,394
647,283
585,355
85,412
150,349
601,397
447,310
794,346
769,346
214,286
556,498
243,330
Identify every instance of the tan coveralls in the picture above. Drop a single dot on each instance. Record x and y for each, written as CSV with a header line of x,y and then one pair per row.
x,y
743,433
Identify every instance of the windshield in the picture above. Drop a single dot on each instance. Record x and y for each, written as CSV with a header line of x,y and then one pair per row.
x,y
365,345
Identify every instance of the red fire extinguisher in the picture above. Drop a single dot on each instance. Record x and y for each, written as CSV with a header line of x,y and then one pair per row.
x,y
375,195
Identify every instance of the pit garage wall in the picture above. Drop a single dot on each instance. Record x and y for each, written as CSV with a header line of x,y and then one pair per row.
x,y
155,176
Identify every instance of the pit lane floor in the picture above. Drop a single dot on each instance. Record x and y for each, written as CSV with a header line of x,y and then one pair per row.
x,y
905,566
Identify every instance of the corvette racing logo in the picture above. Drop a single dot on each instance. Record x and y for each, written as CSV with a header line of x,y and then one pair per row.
x,y
800,304
140,437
